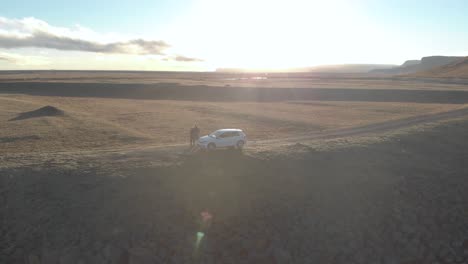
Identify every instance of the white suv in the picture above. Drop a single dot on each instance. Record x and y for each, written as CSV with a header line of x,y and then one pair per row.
x,y
223,138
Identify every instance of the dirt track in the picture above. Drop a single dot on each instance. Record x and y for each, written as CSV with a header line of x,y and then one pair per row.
x,y
373,128
355,131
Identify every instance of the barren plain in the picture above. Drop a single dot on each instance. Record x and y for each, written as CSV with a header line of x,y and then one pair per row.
x,y
95,168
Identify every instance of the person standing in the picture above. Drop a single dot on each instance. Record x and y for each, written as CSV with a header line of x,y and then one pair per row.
x,y
194,135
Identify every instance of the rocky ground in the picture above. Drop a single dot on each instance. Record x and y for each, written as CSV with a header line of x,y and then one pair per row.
x,y
399,201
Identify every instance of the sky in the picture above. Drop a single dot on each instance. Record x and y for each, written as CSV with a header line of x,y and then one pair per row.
x,y
202,35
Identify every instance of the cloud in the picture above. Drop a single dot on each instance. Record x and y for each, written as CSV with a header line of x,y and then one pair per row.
x,y
187,59
7,59
182,59
35,33
22,60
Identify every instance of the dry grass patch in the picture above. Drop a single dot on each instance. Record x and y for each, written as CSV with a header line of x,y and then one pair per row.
x,y
90,123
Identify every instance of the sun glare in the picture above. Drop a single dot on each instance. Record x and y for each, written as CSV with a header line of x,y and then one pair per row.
x,y
267,34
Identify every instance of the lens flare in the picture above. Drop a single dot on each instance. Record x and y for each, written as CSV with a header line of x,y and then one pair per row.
x,y
198,241
200,236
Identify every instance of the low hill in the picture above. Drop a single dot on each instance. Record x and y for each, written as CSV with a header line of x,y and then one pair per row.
x,y
410,63
457,69
413,66
41,112
337,68
350,68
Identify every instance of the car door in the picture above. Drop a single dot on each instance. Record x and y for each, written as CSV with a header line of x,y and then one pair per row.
x,y
234,138
222,140
229,139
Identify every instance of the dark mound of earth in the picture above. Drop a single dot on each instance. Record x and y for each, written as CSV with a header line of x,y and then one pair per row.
x,y
41,112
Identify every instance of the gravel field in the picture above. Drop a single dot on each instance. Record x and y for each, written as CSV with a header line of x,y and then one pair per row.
x,y
403,200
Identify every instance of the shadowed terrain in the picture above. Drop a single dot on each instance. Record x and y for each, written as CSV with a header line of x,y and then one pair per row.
x,y
399,201
174,91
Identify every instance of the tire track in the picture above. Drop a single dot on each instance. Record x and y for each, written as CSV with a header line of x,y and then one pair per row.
x,y
371,128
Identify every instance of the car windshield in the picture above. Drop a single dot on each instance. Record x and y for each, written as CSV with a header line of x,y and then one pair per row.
x,y
215,134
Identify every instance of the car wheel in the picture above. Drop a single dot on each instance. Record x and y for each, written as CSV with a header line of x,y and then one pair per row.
x,y
211,146
240,144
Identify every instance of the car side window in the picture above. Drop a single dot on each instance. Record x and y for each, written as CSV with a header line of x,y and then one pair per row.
x,y
228,134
